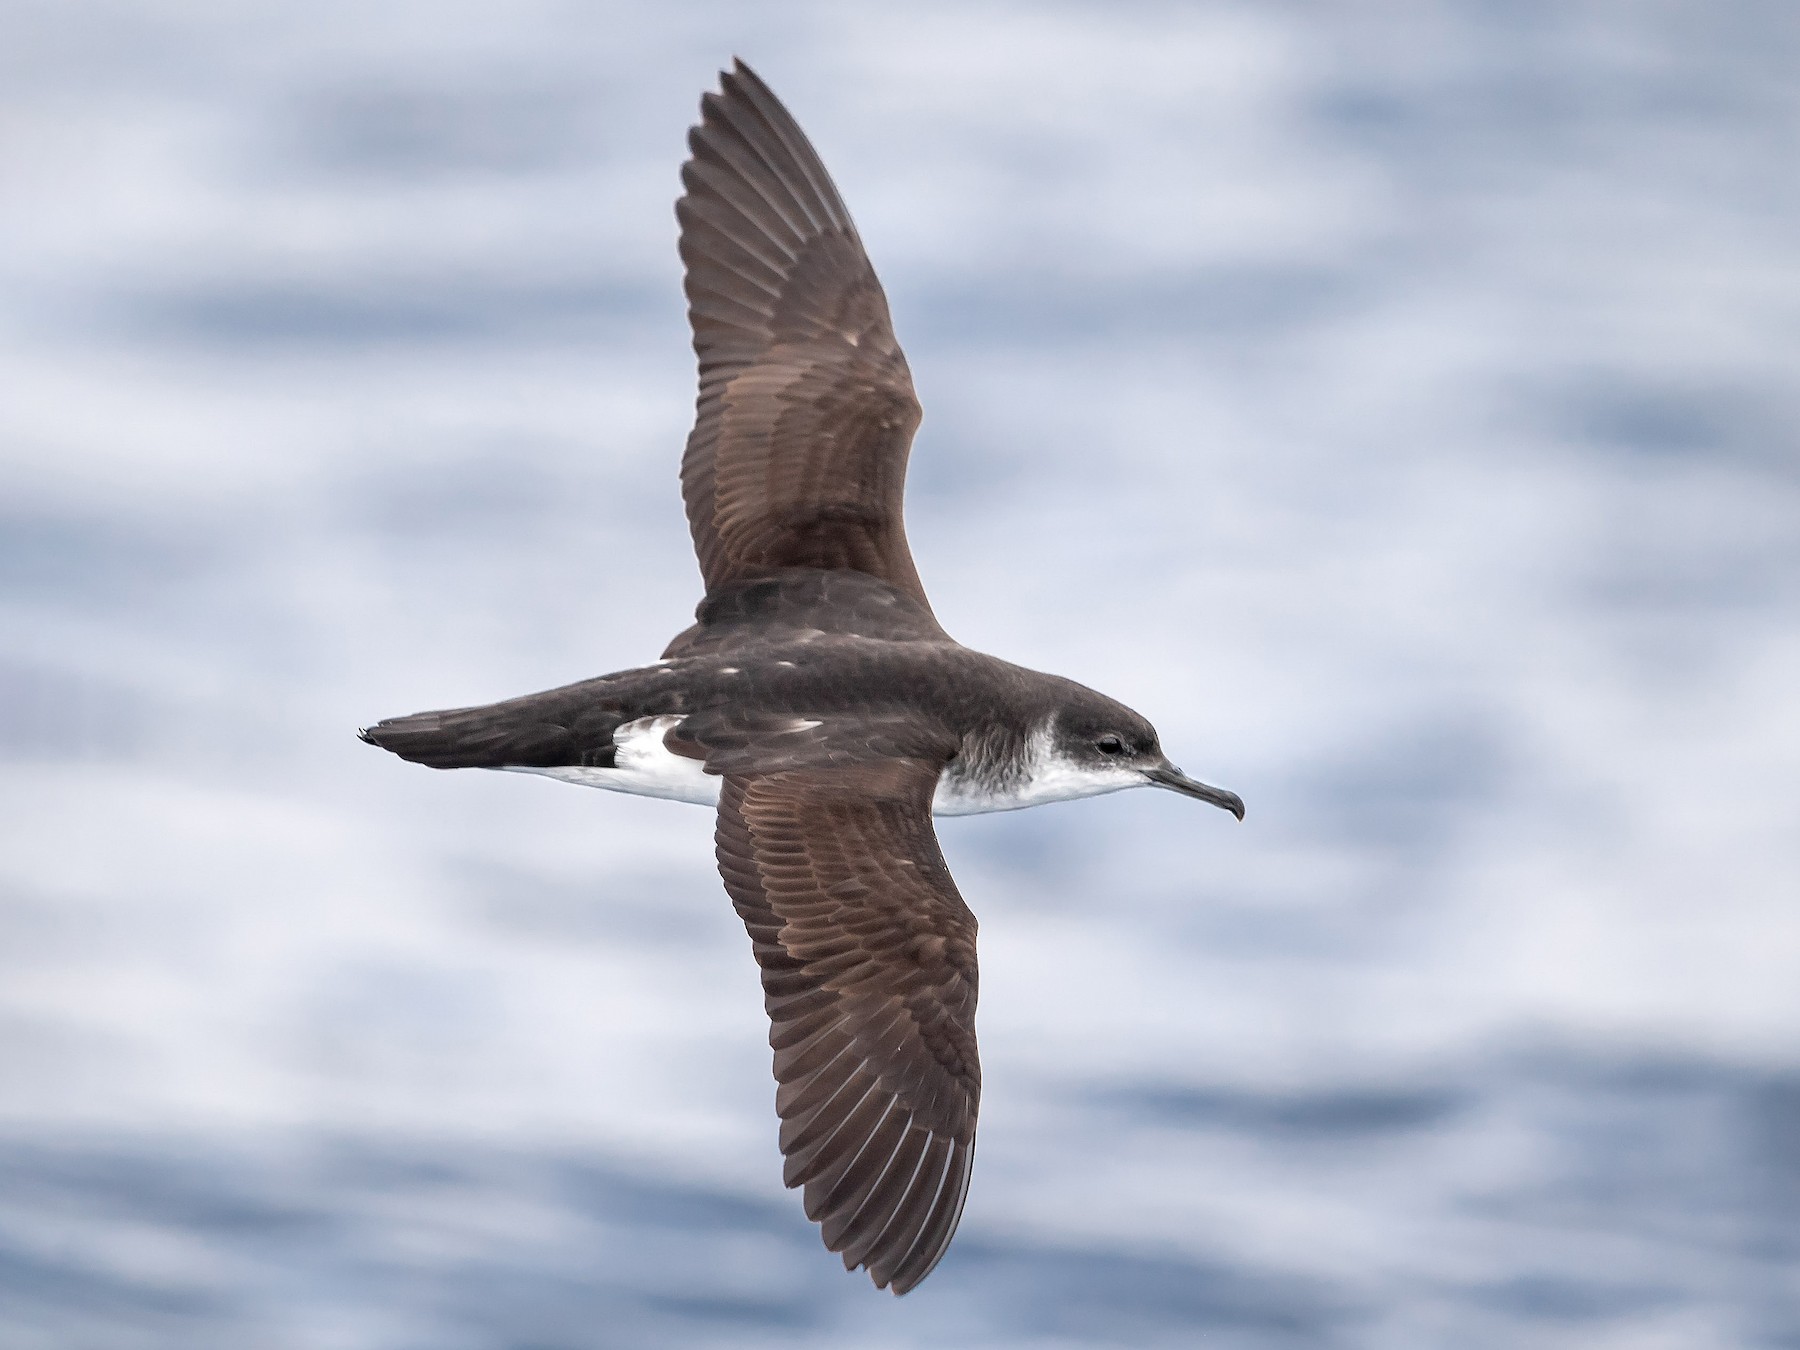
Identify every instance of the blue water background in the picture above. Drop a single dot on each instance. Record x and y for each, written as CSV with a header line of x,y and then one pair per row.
x,y
1396,402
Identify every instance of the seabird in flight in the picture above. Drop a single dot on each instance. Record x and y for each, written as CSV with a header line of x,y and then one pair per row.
x,y
817,704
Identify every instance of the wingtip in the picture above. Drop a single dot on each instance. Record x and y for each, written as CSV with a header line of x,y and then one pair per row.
x,y
904,1282
713,102
743,83
731,75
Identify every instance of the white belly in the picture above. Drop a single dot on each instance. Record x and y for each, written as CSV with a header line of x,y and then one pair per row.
x,y
645,767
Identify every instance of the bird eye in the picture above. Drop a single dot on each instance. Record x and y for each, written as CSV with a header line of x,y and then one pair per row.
x,y
1110,745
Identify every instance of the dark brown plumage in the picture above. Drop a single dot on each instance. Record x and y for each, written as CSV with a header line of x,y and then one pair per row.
x,y
806,409
868,968
818,702
797,459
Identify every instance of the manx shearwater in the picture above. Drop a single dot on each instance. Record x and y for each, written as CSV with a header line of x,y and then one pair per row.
x,y
817,703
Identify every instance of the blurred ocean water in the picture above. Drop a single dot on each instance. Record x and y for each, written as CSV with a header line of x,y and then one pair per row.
x,y
1395,402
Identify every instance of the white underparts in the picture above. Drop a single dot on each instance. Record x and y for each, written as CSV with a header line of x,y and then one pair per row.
x,y
642,766
1049,777
645,767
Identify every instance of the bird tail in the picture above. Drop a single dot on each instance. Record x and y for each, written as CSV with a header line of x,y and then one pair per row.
x,y
540,730
457,738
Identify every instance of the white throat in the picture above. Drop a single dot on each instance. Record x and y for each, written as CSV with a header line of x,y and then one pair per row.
x,y
1048,777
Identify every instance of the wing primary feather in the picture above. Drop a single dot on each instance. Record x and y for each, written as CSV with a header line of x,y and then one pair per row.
x,y
859,1173
802,1160
748,152
801,1102
755,244
946,1212
878,1210
829,1159
779,123
895,1243
717,170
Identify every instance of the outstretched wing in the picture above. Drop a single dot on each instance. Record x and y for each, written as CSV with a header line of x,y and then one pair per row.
x,y
806,410
868,970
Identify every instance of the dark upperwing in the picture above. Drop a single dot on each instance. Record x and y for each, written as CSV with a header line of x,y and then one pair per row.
x,y
806,410
868,968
